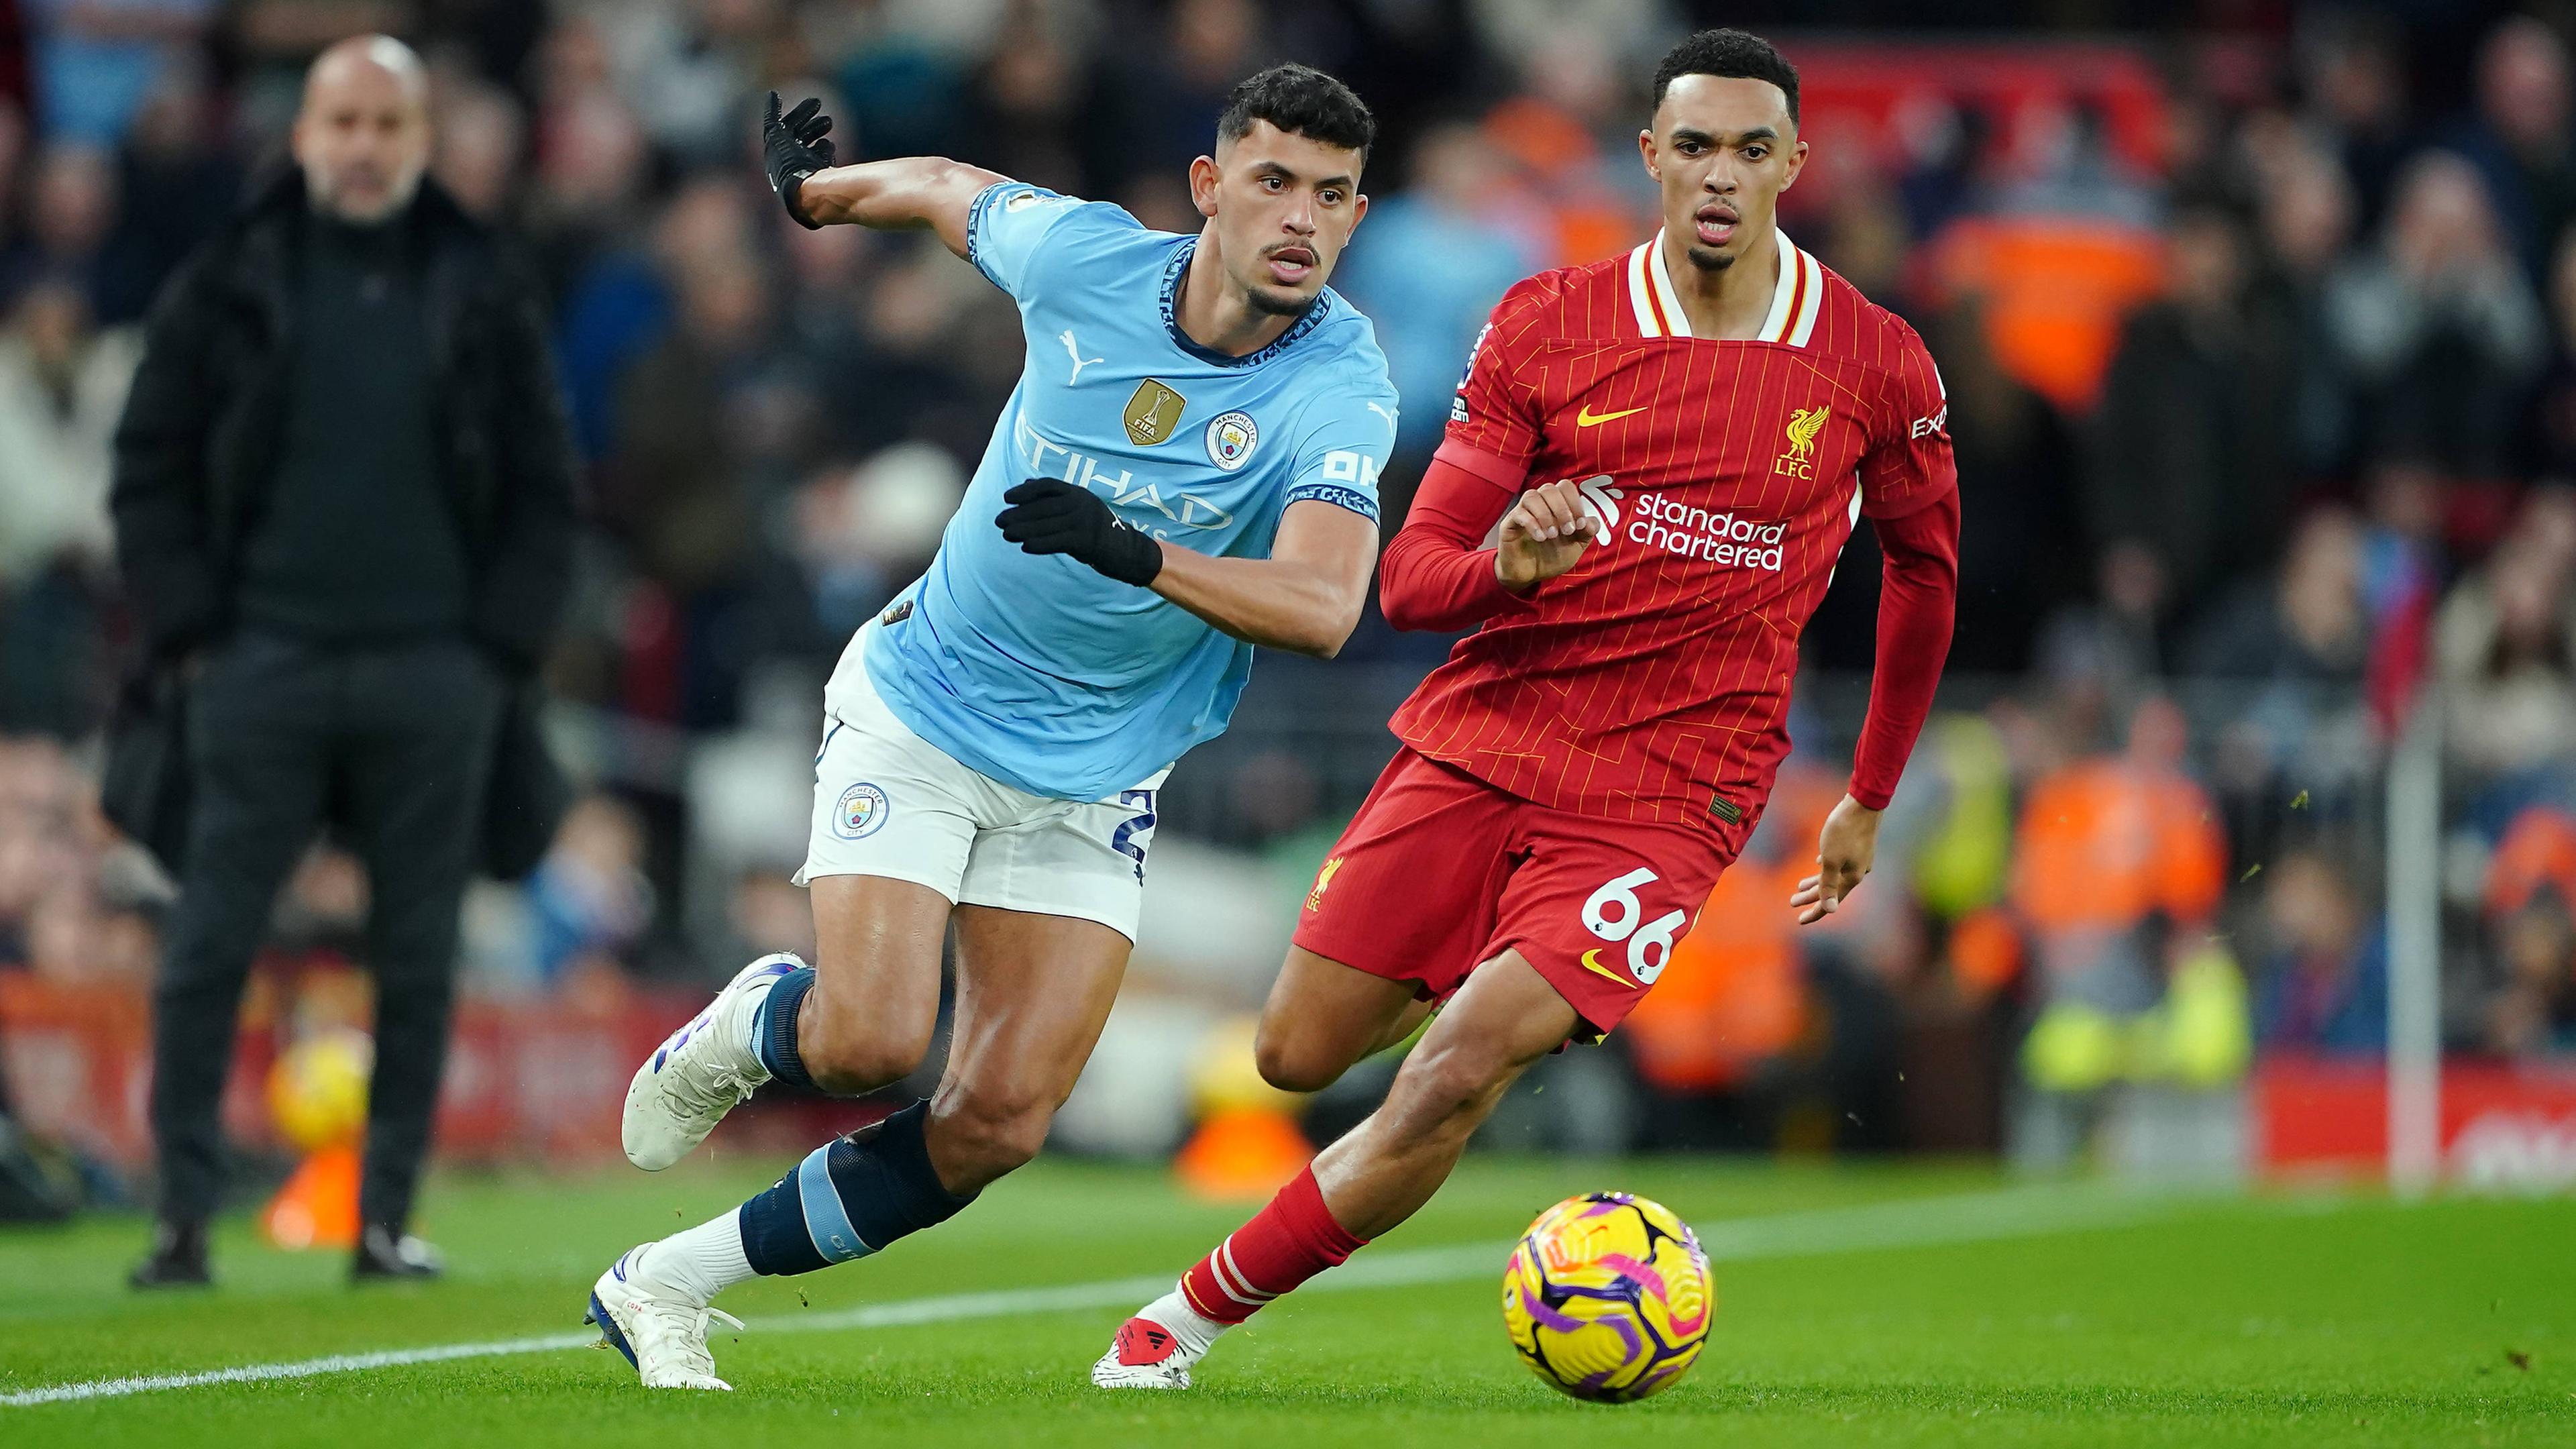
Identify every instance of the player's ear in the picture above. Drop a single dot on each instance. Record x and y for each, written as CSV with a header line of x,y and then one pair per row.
x,y
1203,179
1646,149
1797,163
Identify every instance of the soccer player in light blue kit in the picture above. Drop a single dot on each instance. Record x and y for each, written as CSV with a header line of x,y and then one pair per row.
x,y
1187,469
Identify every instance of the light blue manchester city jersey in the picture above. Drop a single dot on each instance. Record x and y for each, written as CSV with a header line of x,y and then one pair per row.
x,y
1038,671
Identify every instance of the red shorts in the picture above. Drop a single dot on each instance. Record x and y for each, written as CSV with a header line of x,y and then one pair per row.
x,y
1441,872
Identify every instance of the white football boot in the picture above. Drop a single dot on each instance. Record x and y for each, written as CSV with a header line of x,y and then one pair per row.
x,y
1145,1355
700,1072
662,1331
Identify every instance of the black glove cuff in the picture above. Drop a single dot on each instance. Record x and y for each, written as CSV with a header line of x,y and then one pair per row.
x,y
788,191
1130,556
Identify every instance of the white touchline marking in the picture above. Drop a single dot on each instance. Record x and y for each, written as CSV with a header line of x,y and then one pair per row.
x,y
300,1369
1901,1223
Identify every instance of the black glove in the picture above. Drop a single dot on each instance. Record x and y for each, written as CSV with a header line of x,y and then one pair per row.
x,y
795,146
1049,515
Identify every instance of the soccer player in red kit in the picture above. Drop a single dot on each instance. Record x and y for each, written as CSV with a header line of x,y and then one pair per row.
x,y
1676,442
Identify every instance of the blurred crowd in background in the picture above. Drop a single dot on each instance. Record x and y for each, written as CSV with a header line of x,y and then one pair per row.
x,y
2259,330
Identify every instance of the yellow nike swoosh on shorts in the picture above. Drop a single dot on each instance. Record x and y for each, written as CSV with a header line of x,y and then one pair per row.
x,y
1592,963
1590,419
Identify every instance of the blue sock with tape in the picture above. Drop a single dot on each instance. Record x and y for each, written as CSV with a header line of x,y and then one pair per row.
x,y
850,1197
773,1034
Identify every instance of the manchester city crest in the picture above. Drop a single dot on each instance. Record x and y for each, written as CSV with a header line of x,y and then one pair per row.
x,y
859,812
1231,439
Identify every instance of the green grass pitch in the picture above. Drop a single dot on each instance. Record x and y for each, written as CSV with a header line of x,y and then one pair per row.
x,y
1856,1306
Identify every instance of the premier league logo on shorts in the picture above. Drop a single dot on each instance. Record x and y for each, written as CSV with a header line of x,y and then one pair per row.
x,y
861,811
1231,439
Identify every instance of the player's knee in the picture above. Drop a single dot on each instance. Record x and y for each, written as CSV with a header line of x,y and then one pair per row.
x,y
982,1133
1296,1063
851,1051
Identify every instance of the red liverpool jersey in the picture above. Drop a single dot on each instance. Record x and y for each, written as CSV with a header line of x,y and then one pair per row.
x,y
1651,681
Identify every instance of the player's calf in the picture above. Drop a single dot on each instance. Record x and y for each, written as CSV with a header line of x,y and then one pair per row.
x,y
1377,1175
848,1198
981,1131
1385,1169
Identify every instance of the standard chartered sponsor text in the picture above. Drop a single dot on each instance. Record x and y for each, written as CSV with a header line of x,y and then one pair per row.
x,y
1725,539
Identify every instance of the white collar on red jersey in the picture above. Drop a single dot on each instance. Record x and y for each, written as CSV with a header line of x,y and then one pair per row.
x,y
1795,302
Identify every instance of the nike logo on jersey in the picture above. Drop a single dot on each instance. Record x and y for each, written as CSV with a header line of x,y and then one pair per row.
x,y
1592,963
1590,419
1079,361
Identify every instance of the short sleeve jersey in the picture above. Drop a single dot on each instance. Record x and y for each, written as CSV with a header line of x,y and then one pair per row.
x,y
1037,671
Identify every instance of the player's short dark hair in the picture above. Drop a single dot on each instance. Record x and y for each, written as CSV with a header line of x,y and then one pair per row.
x,y
1301,101
1731,55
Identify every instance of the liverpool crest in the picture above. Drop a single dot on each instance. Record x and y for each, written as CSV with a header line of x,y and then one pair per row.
x,y
1798,460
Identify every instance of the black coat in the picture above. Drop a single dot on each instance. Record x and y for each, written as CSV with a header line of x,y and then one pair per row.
x,y
197,450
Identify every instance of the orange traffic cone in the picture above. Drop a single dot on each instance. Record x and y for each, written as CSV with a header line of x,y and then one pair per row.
x,y
318,1207
1243,1153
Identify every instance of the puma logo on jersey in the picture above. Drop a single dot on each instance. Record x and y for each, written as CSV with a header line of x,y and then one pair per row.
x,y
1590,419
1079,361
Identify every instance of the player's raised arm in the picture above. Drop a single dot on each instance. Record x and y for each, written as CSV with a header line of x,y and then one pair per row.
x,y
906,193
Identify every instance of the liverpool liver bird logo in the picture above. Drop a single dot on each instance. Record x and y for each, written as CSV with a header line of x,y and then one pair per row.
x,y
1798,461
1804,424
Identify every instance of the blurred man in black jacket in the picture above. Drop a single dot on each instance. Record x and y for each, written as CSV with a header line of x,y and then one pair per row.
x,y
344,508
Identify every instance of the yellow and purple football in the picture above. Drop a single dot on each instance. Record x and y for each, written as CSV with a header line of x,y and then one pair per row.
x,y
1608,1297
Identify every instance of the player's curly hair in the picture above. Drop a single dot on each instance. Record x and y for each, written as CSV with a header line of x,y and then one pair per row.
x,y
1301,101
1731,54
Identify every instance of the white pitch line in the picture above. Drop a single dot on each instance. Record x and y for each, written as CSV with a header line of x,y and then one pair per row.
x,y
1903,1223
338,1363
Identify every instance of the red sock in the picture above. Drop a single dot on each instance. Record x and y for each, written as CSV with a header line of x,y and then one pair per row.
x,y
1285,1244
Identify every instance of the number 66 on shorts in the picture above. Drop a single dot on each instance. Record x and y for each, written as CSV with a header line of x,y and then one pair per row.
x,y
1441,872
1613,913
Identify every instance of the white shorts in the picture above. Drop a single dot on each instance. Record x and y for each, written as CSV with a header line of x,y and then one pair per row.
x,y
888,802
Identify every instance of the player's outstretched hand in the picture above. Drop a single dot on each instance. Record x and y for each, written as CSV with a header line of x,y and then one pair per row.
x,y
1543,535
1845,850
793,147
1049,515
